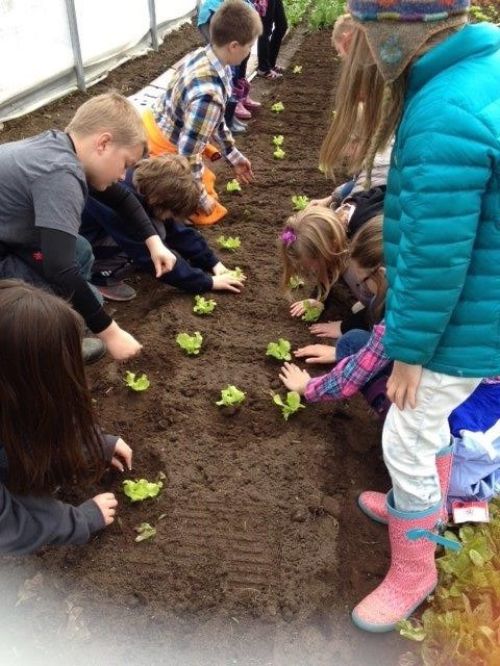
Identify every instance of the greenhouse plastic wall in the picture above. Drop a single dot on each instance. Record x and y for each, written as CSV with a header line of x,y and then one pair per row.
x,y
49,48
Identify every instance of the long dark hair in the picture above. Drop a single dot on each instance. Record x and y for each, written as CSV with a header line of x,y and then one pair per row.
x,y
47,425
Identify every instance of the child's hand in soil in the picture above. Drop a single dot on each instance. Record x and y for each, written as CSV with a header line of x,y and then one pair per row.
x,y
107,504
294,378
297,309
243,170
121,345
316,353
122,454
330,329
321,202
227,282
219,268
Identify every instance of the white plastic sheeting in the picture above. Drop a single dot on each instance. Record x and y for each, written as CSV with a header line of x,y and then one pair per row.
x,y
39,57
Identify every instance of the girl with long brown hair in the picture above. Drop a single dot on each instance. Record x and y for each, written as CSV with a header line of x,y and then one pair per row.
x,y
431,80
48,434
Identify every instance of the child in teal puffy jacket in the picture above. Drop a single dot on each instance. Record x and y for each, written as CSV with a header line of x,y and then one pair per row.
x,y
433,81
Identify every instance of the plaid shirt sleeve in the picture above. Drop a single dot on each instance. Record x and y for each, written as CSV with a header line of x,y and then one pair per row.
x,y
226,142
352,373
200,124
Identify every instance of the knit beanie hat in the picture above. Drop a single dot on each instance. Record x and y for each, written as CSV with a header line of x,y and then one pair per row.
x,y
396,29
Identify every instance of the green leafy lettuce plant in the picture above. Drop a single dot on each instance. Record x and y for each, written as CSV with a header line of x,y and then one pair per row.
x,y
136,382
278,140
191,344
230,397
145,531
230,243
279,350
138,491
295,282
311,312
278,107
233,186
203,306
300,201
297,69
279,154
236,272
460,627
291,405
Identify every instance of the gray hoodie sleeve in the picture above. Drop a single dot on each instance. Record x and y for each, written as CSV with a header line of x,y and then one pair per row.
x,y
28,523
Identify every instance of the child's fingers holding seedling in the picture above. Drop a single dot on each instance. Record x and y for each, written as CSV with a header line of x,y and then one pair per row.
x,y
297,309
122,454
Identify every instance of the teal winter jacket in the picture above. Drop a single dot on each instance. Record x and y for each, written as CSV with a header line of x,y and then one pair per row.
x,y
442,211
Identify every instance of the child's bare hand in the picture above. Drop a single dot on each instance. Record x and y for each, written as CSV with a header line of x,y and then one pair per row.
x,y
243,170
294,378
122,454
330,329
107,504
219,268
321,202
298,308
316,353
226,282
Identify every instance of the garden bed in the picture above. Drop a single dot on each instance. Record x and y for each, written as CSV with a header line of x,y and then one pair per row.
x,y
260,550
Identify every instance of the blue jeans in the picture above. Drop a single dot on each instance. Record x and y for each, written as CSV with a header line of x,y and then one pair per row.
x,y
351,342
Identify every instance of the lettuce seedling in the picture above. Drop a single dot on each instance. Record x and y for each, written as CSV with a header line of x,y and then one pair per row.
x,y
145,531
233,186
290,406
278,107
300,201
236,272
295,282
280,350
229,243
230,397
278,140
136,382
279,153
138,491
191,344
297,69
311,312
203,306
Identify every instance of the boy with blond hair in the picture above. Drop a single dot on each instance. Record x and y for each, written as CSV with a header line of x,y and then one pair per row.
x,y
169,193
44,182
191,112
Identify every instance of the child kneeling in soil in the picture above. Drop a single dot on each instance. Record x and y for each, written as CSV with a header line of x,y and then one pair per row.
x,y
168,192
191,112
48,433
367,372
315,246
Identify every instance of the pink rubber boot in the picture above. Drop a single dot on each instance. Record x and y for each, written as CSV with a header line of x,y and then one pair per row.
x,y
241,112
248,102
374,504
412,575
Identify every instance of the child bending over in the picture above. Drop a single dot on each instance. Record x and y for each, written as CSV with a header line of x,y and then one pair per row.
x,y
48,433
44,182
168,193
191,112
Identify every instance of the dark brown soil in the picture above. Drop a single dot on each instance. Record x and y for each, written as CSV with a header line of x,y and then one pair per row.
x,y
260,550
